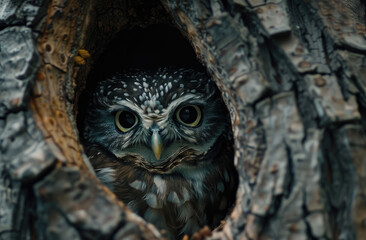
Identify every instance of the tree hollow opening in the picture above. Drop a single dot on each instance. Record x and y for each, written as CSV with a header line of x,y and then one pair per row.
x,y
196,131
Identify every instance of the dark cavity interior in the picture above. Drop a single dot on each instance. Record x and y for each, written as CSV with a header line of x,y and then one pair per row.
x,y
146,48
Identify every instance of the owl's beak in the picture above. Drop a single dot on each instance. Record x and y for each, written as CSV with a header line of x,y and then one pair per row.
x,y
156,144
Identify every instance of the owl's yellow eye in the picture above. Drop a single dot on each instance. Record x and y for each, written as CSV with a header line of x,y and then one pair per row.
x,y
189,115
125,120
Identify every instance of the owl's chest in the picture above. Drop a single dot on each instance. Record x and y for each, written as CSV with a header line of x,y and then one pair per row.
x,y
166,195
181,202
176,202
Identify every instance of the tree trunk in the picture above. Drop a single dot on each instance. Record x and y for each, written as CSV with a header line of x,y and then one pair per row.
x,y
292,74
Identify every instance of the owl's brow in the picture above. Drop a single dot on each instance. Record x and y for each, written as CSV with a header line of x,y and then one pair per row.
x,y
134,107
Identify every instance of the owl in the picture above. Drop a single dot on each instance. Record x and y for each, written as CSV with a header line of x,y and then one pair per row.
x,y
161,141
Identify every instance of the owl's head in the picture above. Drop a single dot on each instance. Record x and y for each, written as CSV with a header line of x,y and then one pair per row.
x,y
156,116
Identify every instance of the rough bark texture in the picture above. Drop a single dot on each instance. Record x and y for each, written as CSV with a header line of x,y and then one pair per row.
x,y
291,72
297,100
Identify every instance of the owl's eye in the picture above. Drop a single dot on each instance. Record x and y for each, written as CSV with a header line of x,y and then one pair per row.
x,y
189,115
125,120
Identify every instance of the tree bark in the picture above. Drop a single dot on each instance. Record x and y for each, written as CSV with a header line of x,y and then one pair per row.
x,y
292,74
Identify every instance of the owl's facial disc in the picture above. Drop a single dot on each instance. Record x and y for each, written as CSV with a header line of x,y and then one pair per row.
x,y
156,115
160,137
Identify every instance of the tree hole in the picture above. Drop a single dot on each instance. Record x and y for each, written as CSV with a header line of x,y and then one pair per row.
x,y
157,131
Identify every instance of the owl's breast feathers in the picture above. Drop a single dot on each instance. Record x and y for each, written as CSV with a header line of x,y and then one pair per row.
x,y
182,194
